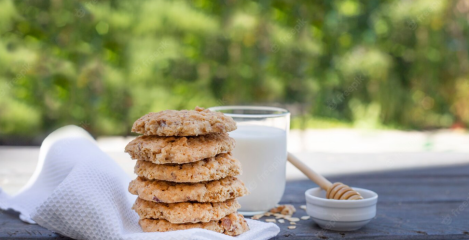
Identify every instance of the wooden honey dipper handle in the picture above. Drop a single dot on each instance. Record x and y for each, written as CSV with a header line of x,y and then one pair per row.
x,y
333,191
310,173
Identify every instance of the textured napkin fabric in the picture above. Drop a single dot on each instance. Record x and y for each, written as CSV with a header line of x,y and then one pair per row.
x,y
80,192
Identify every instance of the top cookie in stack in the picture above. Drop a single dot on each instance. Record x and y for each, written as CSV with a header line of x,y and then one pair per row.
x,y
184,123
186,174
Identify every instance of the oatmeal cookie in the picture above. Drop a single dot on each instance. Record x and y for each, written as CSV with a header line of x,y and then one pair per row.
x,y
209,169
184,123
171,192
185,212
233,225
161,150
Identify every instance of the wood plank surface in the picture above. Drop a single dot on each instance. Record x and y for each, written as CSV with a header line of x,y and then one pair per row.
x,y
428,203
11,227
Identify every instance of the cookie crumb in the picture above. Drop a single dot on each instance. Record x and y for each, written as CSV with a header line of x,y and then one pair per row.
x,y
258,216
279,215
293,219
291,227
281,221
293,223
303,207
286,209
270,220
305,218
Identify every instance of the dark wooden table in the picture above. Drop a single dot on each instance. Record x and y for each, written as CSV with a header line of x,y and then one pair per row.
x,y
413,204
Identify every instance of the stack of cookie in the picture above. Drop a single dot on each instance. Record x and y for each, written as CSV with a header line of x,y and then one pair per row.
x,y
186,174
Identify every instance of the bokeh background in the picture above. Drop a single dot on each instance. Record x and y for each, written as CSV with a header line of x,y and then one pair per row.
x,y
391,64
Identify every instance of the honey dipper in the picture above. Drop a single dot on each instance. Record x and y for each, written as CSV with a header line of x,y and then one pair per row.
x,y
338,190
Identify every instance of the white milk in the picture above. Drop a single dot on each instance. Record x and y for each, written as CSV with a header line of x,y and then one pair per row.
x,y
262,152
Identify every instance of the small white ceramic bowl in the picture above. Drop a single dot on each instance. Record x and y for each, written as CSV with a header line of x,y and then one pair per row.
x,y
341,215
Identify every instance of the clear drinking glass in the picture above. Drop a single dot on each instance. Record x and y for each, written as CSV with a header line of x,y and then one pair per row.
x,y
261,147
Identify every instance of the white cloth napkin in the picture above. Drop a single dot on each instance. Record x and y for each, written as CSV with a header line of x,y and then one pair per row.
x,y
80,192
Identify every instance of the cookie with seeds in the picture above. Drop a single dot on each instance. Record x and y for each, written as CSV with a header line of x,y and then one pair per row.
x,y
185,212
171,192
184,123
209,169
232,225
162,150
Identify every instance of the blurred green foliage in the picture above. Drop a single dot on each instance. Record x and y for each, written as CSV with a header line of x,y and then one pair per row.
x,y
103,64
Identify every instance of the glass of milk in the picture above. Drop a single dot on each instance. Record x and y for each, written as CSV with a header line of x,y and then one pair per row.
x,y
261,147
